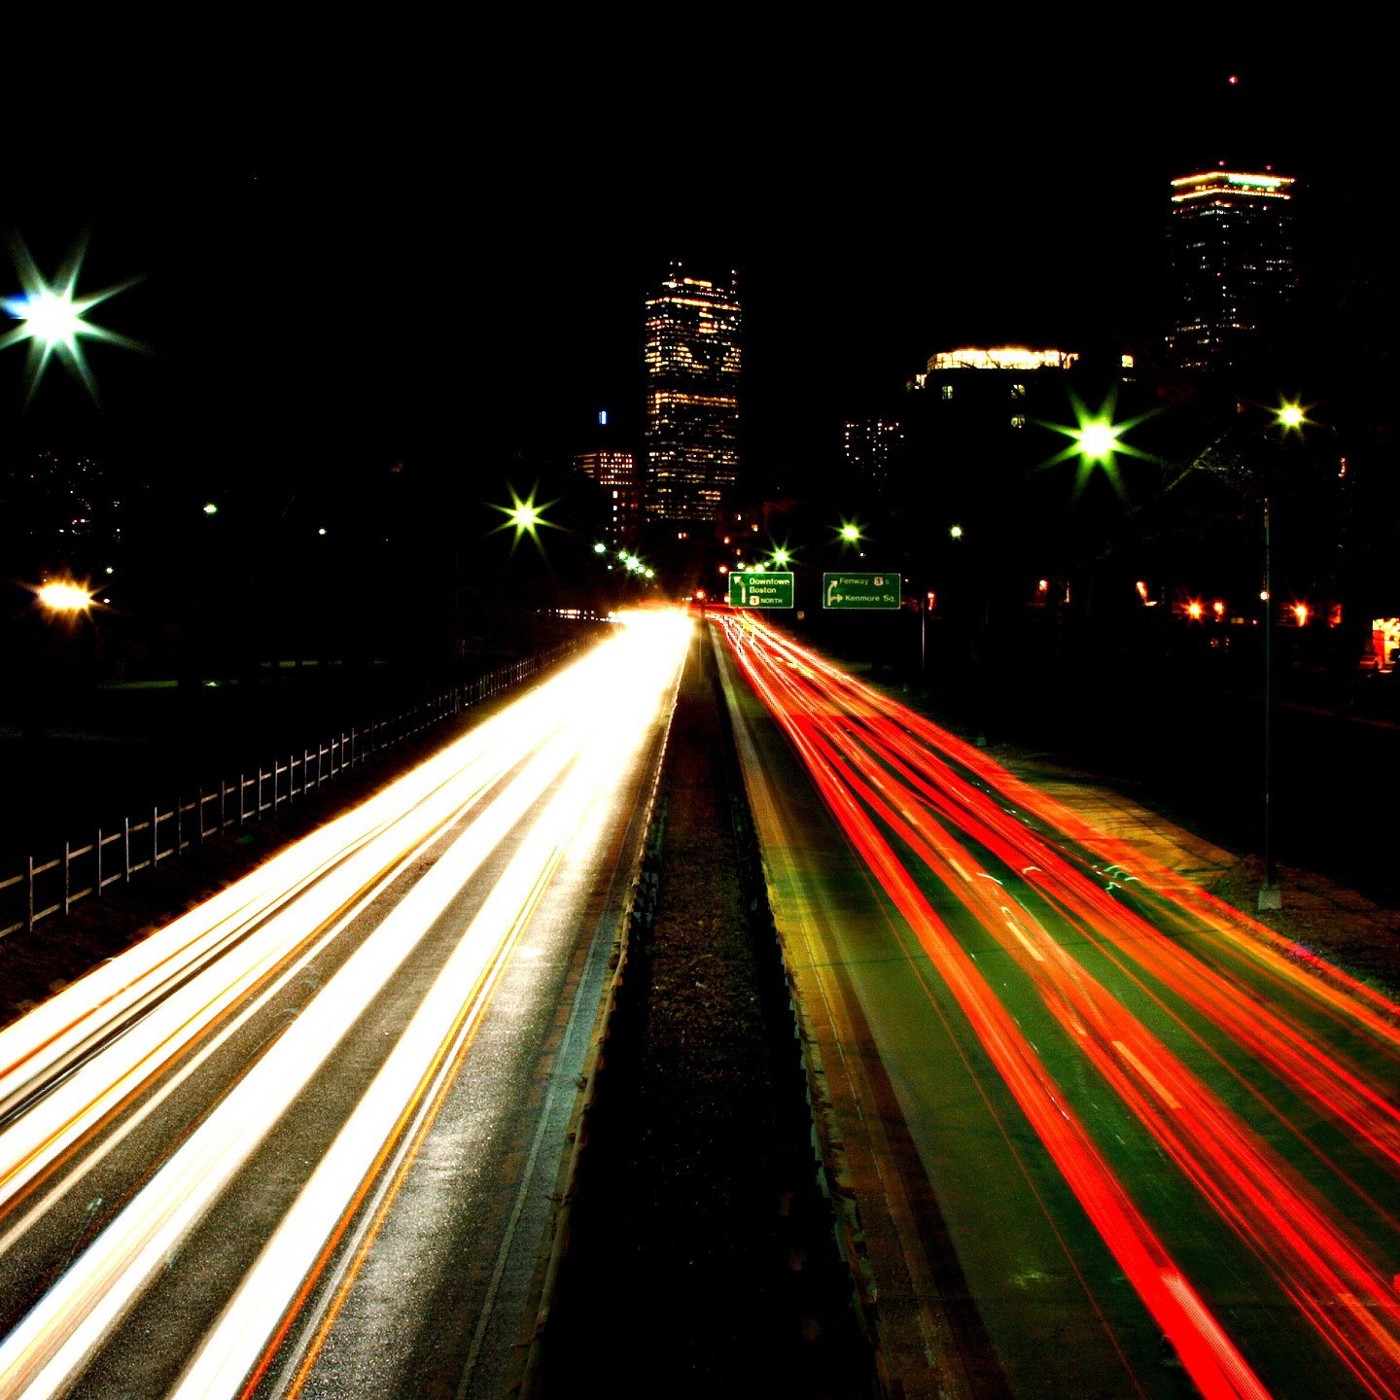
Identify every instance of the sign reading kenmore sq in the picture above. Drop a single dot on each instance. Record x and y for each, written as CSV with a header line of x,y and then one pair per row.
x,y
751,589
860,590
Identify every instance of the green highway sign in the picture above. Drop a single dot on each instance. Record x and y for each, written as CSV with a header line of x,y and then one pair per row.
x,y
752,589
860,591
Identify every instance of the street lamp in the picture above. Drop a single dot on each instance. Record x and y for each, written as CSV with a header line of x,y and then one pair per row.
x,y
64,597
1270,896
1289,417
524,516
52,319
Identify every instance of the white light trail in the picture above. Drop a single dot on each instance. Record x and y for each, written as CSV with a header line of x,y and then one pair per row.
x,y
598,711
233,1348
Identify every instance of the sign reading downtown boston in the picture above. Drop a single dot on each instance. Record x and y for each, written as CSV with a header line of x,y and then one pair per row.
x,y
751,589
860,590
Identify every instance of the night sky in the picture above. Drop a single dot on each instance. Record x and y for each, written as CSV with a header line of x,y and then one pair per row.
x,y
356,248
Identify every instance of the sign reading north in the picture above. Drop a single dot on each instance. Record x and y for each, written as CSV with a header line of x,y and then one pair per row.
x,y
860,590
760,590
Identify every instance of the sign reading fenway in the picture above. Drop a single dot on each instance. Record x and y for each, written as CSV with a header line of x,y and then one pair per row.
x,y
860,590
751,589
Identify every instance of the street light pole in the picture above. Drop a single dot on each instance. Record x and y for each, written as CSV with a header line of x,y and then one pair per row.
x,y
1270,896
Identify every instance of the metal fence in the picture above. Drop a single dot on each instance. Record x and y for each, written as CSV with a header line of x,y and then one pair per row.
x,y
46,887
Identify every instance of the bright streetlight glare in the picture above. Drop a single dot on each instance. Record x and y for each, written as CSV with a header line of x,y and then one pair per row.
x,y
524,516
1291,416
1097,440
781,556
51,316
210,508
850,532
52,319
956,532
65,597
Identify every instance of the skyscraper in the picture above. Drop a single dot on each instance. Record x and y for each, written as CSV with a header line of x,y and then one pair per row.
x,y
615,474
1232,266
614,471
692,364
870,447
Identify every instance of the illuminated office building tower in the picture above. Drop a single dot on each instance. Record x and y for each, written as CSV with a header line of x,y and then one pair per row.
x,y
615,473
870,445
692,397
1232,266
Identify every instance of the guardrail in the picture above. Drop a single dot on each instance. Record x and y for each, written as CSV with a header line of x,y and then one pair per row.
x,y
46,887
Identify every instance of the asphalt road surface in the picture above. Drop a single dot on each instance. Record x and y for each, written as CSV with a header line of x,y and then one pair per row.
x,y
1101,1135
305,1139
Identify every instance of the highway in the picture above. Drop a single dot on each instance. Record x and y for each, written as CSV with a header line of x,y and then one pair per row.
x,y
305,1139
1100,1134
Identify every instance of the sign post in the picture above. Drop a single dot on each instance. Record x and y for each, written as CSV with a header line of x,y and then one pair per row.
x,y
850,592
751,588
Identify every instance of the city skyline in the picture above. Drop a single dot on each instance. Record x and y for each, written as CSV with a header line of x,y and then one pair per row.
x,y
328,278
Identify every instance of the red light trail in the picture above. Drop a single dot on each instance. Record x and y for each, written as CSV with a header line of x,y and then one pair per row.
x,y
917,803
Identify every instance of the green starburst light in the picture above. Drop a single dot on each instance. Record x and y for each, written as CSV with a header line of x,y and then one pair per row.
x,y
525,517
1096,441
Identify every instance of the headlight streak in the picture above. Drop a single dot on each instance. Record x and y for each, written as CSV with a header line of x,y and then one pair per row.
x,y
257,993
43,1354
46,1350
324,885
1347,1298
48,1037
301,1247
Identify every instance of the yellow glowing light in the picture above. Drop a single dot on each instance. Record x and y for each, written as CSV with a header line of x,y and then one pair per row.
x,y
525,517
1291,416
1194,610
64,597
1097,439
1009,357
850,532
1301,613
